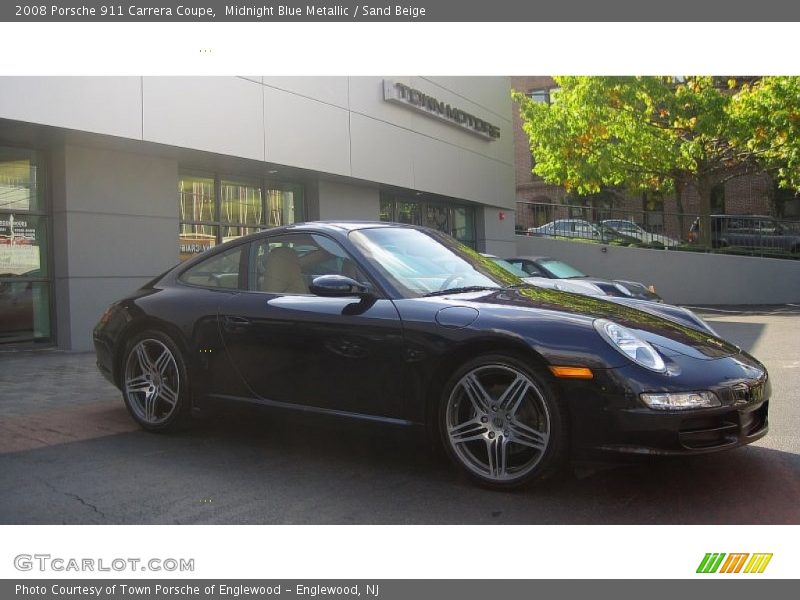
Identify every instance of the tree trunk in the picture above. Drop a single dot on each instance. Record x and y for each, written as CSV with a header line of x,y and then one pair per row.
x,y
680,187
704,187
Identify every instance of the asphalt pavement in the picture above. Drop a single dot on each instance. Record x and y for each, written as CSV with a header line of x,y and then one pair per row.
x,y
69,453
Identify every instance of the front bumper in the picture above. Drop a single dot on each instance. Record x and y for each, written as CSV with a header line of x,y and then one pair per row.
x,y
607,415
690,432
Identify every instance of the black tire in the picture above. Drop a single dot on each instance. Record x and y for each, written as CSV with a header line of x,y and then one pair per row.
x,y
499,437
150,381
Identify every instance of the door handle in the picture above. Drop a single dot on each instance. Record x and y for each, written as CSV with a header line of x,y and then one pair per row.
x,y
231,322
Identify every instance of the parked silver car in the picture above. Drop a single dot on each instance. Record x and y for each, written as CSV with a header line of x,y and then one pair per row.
x,y
577,228
633,229
547,272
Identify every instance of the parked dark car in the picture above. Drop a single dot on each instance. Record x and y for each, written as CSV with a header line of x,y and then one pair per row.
x,y
406,326
570,279
748,231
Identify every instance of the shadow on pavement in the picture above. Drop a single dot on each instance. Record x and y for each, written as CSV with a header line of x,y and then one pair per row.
x,y
274,468
744,334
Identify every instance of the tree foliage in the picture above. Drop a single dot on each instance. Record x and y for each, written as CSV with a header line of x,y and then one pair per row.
x,y
767,119
663,134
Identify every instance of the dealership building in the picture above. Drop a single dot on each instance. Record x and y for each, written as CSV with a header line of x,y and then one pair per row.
x,y
106,182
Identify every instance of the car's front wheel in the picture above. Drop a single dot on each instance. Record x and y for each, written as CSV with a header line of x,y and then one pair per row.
x,y
501,423
154,383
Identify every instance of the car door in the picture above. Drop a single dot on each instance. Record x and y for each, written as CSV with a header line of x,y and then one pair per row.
x,y
292,347
562,228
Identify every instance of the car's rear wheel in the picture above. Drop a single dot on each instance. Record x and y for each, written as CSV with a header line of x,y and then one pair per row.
x,y
501,423
154,383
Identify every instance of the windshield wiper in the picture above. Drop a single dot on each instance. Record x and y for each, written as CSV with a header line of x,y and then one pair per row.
x,y
461,290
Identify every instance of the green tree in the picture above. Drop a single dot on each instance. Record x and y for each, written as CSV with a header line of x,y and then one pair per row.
x,y
766,115
659,134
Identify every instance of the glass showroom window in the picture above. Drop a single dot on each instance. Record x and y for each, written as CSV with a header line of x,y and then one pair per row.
x,y
216,209
24,274
458,221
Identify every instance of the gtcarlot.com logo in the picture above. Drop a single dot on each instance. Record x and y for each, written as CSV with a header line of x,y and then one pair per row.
x,y
46,562
734,563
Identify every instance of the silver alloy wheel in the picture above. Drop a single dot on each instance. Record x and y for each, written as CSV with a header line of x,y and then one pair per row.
x,y
497,422
152,381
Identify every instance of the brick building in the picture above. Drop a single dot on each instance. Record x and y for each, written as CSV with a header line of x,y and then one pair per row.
x,y
750,194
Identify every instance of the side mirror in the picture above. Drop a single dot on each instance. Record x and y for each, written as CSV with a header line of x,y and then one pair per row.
x,y
338,286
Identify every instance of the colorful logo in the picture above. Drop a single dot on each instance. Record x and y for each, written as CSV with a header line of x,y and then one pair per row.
x,y
734,563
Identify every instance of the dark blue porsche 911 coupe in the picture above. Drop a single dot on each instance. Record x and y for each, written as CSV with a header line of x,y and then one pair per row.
x,y
406,326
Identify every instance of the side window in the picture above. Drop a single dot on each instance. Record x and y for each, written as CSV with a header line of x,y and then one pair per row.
x,y
220,271
531,269
288,264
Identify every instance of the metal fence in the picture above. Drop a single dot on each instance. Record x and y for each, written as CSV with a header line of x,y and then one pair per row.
x,y
751,235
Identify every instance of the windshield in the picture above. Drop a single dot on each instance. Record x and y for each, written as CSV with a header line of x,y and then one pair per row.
x,y
560,270
419,262
513,269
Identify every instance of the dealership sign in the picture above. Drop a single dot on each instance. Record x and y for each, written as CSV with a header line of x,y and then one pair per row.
x,y
400,93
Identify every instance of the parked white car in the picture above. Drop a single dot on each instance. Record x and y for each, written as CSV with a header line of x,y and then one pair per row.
x,y
576,228
633,229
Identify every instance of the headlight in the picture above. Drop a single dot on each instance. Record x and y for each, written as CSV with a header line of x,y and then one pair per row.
x,y
631,345
680,401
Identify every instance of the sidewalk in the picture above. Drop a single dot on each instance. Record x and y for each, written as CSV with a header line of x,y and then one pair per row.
x,y
49,397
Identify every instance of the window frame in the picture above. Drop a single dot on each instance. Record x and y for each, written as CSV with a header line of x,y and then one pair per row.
x,y
44,212
421,211
264,184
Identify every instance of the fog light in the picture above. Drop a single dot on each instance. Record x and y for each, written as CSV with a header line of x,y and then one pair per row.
x,y
681,401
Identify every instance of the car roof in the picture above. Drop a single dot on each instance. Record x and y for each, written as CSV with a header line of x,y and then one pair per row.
x,y
532,258
345,225
333,226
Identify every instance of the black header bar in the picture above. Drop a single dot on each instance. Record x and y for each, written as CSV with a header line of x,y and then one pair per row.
x,y
400,11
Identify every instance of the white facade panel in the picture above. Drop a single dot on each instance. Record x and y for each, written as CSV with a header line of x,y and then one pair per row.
x,y
451,171
306,133
106,105
499,149
381,152
483,91
504,188
331,90
224,115
366,98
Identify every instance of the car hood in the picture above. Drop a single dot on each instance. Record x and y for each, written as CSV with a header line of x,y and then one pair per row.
x,y
636,289
658,329
595,286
